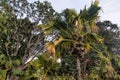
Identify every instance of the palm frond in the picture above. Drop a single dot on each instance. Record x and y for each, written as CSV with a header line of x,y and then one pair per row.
x,y
50,48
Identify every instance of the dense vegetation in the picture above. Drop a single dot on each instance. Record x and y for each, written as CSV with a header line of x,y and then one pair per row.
x,y
38,43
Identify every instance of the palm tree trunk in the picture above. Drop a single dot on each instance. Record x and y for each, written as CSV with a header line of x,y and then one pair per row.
x,y
78,69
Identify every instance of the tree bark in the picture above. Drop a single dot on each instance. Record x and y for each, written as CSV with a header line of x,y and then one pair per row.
x,y
14,78
78,69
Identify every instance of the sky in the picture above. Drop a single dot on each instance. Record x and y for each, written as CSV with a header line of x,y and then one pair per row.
x,y
110,8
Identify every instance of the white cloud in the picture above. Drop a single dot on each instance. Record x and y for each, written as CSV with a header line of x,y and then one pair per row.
x,y
114,17
111,10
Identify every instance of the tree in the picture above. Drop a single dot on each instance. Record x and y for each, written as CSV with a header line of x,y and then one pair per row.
x,y
21,40
111,33
77,38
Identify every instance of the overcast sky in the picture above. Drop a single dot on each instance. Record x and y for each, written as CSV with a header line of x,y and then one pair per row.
x,y
110,8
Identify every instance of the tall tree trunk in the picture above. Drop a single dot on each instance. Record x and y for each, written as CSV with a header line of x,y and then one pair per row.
x,y
78,69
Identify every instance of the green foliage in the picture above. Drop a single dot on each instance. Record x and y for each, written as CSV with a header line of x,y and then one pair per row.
x,y
43,67
16,72
2,74
110,33
20,37
69,15
91,13
67,35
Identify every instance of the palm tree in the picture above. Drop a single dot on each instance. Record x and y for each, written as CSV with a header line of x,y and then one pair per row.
x,y
77,33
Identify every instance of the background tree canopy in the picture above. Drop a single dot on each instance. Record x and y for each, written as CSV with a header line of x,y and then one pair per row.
x,y
33,37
